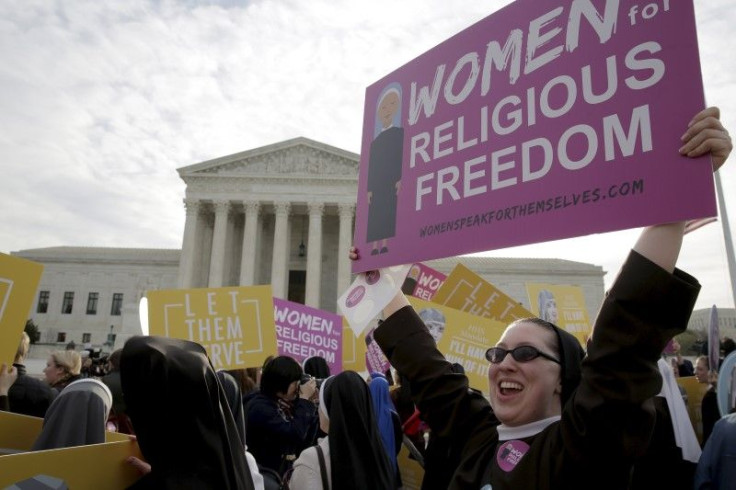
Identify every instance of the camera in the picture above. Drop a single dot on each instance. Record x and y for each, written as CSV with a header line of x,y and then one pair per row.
x,y
306,377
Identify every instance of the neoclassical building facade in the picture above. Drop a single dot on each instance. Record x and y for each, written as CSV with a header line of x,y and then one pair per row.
x,y
282,214
274,215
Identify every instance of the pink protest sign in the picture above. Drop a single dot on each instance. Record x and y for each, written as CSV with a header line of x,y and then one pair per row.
x,y
303,332
422,281
545,120
375,359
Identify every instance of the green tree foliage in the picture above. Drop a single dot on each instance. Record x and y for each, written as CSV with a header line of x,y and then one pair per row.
x,y
32,331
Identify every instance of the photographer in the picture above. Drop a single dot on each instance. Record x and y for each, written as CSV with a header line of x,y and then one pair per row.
x,y
280,420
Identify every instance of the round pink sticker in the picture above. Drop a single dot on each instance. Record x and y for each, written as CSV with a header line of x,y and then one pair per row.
x,y
372,277
510,453
355,296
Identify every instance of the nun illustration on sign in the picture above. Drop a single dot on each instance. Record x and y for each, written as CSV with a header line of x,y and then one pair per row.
x,y
384,169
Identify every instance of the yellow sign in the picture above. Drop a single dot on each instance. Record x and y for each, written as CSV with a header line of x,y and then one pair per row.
x,y
466,291
562,305
18,282
82,468
353,348
19,432
234,324
411,471
462,338
695,393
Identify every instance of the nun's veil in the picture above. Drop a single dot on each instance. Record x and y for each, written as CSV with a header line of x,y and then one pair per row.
x,y
180,416
357,457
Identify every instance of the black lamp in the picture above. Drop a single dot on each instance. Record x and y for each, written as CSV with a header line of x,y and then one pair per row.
x,y
302,247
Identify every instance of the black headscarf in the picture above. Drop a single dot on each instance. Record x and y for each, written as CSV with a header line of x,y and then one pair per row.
x,y
180,416
357,457
570,354
234,401
76,417
317,366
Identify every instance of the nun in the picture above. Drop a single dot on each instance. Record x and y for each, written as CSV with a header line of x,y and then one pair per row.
x,y
180,413
352,455
76,417
554,420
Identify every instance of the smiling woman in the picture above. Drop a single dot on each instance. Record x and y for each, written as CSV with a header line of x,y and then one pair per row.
x,y
555,420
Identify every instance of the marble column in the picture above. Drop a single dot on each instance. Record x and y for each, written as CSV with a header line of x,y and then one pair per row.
x,y
189,244
280,262
314,255
219,234
250,235
345,240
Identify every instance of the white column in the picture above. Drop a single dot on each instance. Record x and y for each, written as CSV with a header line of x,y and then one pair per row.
x,y
250,231
345,241
314,255
217,259
280,262
189,244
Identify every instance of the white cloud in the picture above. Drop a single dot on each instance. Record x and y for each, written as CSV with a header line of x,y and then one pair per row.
x,y
100,102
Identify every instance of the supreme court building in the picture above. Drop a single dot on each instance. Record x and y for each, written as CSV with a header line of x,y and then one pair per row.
x,y
282,214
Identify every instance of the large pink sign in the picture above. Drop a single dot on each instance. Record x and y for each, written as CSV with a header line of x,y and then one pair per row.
x,y
303,332
545,120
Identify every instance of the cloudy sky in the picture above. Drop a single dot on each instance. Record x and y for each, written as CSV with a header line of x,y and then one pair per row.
x,y
100,102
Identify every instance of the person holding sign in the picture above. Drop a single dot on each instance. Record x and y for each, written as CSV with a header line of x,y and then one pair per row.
x,y
554,421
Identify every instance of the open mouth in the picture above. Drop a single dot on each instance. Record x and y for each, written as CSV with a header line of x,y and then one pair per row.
x,y
509,388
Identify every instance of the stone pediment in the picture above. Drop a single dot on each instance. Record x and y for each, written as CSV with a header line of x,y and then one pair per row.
x,y
294,157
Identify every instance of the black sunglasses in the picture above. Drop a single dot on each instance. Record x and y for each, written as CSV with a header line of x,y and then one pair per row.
x,y
523,353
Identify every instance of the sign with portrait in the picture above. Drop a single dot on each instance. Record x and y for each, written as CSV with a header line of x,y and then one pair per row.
x,y
545,120
462,338
562,305
422,281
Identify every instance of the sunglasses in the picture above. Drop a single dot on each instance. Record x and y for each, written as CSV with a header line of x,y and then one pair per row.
x,y
523,353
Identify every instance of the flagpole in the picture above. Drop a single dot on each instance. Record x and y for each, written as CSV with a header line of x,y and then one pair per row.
x,y
727,238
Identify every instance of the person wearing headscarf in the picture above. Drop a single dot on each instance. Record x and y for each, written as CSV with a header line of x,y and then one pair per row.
x,y
554,422
317,367
234,402
389,424
181,418
76,417
280,421
354,456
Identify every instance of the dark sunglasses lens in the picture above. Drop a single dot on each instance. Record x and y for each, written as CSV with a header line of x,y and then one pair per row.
x,y
525,353
495,354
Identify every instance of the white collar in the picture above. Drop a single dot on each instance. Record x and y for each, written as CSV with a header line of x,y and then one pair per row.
x,y
506,433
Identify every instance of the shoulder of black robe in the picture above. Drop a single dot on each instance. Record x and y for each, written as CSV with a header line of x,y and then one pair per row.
x,y
234,401
178,410
357,458
76,417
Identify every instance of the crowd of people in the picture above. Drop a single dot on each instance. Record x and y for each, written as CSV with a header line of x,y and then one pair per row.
x,y
559,416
